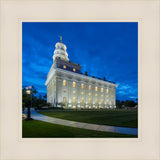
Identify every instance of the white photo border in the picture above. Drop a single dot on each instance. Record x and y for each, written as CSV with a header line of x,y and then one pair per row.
x,y
13,146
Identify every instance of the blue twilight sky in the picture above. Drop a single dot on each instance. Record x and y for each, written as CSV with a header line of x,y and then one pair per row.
x,y
107,49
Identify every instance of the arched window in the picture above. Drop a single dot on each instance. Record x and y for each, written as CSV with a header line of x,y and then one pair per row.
x,y
64,82
82,86
74,99
107,90
102,101
101,89
82,100
107,101
64,99
74,84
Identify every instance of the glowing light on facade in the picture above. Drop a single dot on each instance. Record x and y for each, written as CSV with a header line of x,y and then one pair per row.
x,y
64,82
74,84
82,86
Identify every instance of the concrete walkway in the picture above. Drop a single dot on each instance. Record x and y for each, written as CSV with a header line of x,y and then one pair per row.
x,y
96,127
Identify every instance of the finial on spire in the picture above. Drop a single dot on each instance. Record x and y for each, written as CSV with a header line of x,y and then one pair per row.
x,y
60,38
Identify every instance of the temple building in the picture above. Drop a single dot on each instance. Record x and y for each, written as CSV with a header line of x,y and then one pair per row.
x,y
68,87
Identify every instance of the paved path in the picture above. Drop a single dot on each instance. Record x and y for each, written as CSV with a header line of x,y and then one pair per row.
x,y
96,127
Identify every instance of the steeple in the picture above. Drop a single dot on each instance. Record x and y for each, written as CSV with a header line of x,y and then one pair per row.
x,y
60,38
60,51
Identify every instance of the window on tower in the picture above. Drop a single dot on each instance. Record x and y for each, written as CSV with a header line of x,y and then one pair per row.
x,y
64,66
89,87
74,69
96,89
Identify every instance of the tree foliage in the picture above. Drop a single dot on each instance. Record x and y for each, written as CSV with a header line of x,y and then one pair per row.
x,y
124,104
33,99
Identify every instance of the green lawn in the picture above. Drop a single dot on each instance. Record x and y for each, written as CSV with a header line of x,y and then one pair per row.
x,y
38,129
122,118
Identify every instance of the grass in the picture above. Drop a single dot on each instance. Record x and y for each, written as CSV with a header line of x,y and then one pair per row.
x,y
39,129
121,118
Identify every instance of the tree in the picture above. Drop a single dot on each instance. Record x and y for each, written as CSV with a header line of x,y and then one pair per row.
x,y
129,103
37,100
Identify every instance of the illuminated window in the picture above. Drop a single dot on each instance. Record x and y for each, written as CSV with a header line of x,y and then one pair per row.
x,y
74,99
89,94
89,87
96,89
74,69
74,91
102,95
82,93
107,90
107,96
82,86
64,99
89,101
101,89
96,95
64,66
102,101
64,82
89,107
82,100
74,106
107,101
96,101
74,84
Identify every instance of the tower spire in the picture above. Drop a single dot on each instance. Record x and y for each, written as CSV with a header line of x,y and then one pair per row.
x,y
60,38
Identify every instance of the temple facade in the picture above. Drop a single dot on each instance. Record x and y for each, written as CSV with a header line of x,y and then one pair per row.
x,y
69,88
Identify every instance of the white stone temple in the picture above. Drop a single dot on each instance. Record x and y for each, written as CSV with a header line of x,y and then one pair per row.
x,y
69,88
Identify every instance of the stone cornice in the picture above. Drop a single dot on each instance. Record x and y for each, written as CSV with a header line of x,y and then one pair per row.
x,y
85,77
